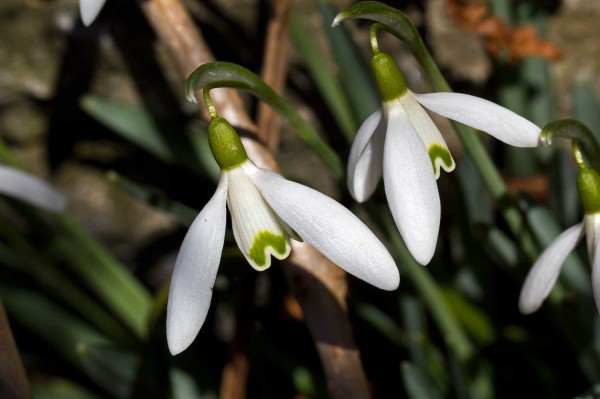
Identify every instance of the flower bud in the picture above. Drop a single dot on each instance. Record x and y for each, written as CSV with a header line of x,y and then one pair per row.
x,y
389,78
225,144
588,186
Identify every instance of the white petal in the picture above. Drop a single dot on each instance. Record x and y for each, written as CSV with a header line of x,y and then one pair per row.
x,y
596,275
484,115
592,233
195,272
365,164
329,227
30,189
410,186
546,269
89,10
432,138
255,227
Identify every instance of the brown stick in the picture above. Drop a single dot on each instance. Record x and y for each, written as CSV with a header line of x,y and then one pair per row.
x,y
275,67
13,380
320,285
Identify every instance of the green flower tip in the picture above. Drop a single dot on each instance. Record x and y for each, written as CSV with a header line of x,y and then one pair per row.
x,y
389,79
225,144
262,242
588,186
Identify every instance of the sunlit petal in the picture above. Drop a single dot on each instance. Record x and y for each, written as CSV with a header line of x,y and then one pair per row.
x,y
255,228
432,138
365,163
410,186
546,269
332,229
484,115
30,189
89,10
195,272
592,233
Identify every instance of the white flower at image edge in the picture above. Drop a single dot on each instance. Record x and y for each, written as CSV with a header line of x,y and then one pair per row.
x,y
546,269
266,210
401,143
28,188
89,10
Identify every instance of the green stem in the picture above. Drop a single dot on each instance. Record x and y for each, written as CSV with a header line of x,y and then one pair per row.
x,y
583,140
225,74
209,104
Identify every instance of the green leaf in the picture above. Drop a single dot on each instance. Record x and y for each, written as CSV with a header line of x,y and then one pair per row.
x,y
475,321
354,71
114,285
324,79
225,74
58,388
183,213
137,126
586,108
416,384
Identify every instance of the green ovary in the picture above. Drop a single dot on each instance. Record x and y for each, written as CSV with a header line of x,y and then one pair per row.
x,y
438,152
262,241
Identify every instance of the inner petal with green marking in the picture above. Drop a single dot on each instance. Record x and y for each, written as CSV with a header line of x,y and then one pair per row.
x,y
429,133
256,229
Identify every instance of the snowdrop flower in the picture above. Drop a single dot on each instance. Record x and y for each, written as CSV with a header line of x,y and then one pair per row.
x,y
27,188
401,142
546,269
89,10
266,211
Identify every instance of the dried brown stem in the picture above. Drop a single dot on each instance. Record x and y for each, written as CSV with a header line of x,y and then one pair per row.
x,y
13,380
275,68
319,285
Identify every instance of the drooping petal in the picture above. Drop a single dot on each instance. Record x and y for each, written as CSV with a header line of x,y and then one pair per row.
x,y
432,138
592,233
30,189
89,10
484,115
365,164
410,186
546,269
596,275
255,227
195,272
329,227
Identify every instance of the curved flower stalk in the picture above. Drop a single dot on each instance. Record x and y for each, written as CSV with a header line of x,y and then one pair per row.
x,y
89,10
27,188
546,269
266,211
402,143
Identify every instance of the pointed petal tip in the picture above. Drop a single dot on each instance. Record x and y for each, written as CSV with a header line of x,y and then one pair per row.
x,y
176,345
89,10
336,21
528,303
391,282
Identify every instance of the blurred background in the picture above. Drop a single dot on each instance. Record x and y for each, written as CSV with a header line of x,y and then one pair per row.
x,y
100,112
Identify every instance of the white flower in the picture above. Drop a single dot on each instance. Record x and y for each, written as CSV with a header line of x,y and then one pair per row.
x,y
89,10
402,143
266,210
27,188
546,269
